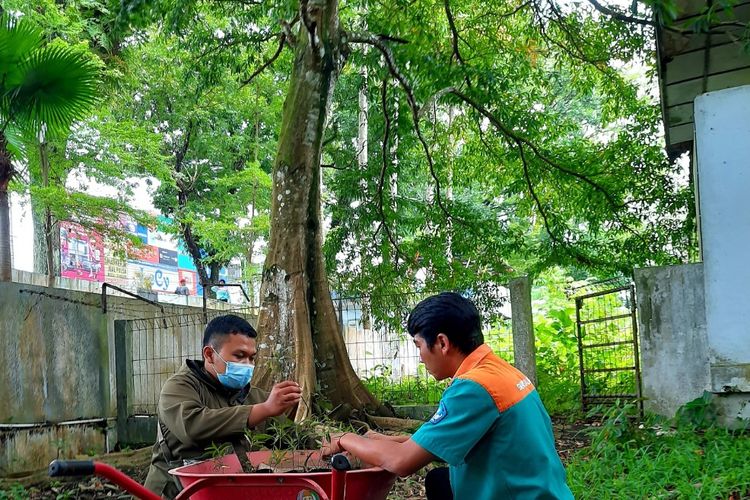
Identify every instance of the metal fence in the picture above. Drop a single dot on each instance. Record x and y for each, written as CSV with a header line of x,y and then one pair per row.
x,y
383,354
149,351
152,350
608,346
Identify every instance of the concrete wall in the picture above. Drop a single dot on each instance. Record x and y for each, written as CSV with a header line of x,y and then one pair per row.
x,y
57,365
676,361
673,341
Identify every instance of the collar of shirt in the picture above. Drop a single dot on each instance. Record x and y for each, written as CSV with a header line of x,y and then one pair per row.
x,y
472,360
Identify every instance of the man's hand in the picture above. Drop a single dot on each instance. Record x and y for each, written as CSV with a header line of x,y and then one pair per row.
x,y
332,445
284,395
398,438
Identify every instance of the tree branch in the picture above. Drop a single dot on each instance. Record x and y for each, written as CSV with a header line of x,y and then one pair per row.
x,y
383,169
411,100
455,37
391,38
656,24
520,139
621,16
309,23
537,201
231,42
576,52
268,62
242,2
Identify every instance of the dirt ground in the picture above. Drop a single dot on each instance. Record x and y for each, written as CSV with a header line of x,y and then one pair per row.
x,y
569,437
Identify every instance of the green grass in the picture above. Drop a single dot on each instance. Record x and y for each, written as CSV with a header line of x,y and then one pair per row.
x,y
626,460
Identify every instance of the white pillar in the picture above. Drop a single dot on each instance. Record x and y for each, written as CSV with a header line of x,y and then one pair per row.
x,y
722,125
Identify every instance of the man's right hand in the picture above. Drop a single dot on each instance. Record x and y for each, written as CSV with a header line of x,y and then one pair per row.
x,y
284,395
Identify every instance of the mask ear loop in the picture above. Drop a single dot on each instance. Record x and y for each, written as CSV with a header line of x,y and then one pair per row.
x,y
214,364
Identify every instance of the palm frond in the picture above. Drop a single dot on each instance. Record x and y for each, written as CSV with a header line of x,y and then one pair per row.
x,y
18,39
16,143
59,86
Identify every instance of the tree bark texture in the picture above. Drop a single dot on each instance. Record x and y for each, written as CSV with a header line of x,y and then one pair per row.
x,y
298,327
6,173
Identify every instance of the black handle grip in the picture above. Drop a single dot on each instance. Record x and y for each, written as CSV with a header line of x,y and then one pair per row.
x,y
58,468
340,462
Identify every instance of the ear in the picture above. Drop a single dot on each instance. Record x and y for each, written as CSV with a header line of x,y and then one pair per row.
x,y
208,354
443,343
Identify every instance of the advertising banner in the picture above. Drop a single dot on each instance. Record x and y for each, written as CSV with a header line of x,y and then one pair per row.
x,y
145,253
81,253
154,277
191,280
167,257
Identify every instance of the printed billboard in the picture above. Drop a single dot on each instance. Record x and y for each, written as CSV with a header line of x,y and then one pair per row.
x,y
155,277
81,253
191,280
145,253
167,257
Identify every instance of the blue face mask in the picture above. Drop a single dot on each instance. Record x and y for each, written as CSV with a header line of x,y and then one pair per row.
x,y
236,376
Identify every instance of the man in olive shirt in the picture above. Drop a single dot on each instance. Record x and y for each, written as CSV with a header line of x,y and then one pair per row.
x,y
211,401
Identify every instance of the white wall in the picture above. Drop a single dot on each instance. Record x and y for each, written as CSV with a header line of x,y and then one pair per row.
x,y
21,232
722,122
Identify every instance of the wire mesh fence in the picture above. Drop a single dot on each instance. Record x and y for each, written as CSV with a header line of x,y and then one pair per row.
x,y
384,356
373,328
158,347
608,346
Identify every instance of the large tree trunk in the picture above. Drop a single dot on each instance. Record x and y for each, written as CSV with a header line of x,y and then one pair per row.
x,y
46,230
6,173
299,331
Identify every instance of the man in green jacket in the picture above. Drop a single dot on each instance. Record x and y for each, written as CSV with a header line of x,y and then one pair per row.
x,y
211,401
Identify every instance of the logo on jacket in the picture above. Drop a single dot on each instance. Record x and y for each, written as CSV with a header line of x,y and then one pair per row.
x,y
440,414
523,384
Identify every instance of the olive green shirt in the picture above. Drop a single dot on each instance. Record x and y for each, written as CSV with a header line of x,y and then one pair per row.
x,y
194,411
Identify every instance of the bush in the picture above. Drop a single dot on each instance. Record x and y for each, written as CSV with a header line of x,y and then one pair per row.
x,y
421,389
556,344
660,459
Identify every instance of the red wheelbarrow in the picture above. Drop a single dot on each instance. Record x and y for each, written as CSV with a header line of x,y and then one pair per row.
x,y
222,478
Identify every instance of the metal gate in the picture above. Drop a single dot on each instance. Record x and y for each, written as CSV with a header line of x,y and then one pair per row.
x,y
607,331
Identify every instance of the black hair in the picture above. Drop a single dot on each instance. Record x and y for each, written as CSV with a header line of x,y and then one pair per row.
x,y
221,326
451,314
222,282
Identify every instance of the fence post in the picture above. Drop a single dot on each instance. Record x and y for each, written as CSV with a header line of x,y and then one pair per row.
x,y
524,349
123,361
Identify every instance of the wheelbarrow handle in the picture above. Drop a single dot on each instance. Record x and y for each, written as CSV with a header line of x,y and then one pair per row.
x,y
340,465
60,468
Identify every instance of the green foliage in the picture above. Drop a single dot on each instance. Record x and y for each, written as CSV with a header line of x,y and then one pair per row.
x,y
287,435
556,343
651,460
421,389
620,425
507,208
62,84
15,492
699,413
215,134
44,86
219,450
